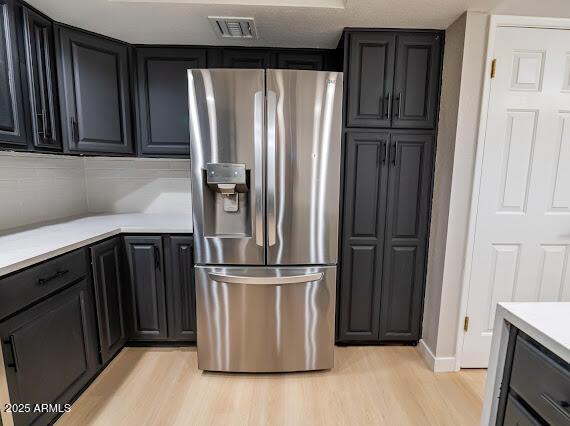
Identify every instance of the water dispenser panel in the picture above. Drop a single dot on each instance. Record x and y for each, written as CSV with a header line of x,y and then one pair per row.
x,y
226,178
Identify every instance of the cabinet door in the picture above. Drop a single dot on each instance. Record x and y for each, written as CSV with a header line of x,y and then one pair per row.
x,y
365,186
108,278
181,293
40,62
147,298
300,60
417,81
50,351
163,98
409,195
246,58
370,79
94,85
12,125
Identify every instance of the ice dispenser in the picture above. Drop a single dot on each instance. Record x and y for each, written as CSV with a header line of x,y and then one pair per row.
x,y
229,180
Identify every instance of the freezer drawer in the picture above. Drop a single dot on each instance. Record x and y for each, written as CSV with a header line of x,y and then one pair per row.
x,y
263,319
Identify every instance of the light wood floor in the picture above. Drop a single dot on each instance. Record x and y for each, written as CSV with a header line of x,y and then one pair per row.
x,y
368,386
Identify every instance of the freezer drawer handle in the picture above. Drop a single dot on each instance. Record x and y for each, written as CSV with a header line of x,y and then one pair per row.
x,y
294,279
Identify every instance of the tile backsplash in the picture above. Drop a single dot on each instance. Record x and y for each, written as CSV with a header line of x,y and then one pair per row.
x,y
40,187
127,185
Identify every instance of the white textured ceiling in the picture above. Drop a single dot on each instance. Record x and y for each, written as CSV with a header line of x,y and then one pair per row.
x,y
280,26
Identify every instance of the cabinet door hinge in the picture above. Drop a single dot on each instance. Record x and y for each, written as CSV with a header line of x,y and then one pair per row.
x,y
494,68
466,324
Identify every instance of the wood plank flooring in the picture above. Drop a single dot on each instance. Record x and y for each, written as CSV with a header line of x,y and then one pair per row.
x,y
368,386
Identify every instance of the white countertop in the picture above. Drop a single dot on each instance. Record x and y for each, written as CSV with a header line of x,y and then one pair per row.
x,y
546,322
27,246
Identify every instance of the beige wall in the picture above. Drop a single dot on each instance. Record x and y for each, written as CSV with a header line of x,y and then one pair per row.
x,y
464,64
450,91
542,8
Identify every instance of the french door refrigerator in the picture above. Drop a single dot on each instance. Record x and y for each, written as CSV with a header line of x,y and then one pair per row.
x,y
265,191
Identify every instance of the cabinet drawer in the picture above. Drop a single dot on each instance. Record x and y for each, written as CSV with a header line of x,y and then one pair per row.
x,y
516,414
26,287
542,381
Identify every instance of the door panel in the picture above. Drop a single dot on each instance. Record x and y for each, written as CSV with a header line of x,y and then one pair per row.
x,y
366,173
265,319
95,86
303,166
416,88
522,240
50,351
370,79
109,282
181,293
409,194
163,98
42,86
147,296
227,110
12,127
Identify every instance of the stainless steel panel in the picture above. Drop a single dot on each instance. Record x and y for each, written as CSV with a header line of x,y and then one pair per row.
x,y
303,166
226,122
263,319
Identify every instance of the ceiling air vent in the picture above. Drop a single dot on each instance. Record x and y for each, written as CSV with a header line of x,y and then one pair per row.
x,y
227,27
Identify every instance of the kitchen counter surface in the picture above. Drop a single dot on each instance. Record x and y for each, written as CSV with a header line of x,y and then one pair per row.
x,y
26,246
545,322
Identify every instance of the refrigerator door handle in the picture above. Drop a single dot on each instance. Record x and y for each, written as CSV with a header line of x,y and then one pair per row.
x,y
271,166
258,142
293,279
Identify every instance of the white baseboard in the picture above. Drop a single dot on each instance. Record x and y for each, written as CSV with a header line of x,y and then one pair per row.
x,y
436,364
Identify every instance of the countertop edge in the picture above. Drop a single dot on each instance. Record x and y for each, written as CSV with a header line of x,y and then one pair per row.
x,y
88,240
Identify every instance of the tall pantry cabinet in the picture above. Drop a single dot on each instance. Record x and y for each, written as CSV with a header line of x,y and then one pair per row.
x,y
391,108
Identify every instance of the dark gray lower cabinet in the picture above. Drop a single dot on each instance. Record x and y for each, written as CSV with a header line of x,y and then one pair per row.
x,y
162,295
407,219
181,294
147,293
50,351
387,192
107,260
366,173
535,387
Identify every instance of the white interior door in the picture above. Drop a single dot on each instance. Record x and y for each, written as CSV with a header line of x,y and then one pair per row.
x,y
522,239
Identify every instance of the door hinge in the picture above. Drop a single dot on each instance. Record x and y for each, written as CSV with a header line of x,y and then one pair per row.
x,y
494,68
466,324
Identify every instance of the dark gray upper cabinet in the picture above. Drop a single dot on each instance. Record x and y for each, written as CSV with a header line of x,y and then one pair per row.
x,y
109,282
12,121
417,80
95,93
371,57
147,295
163,98
301,60
181,293
246,58
42,86
393,79
407,219
366,173
50,351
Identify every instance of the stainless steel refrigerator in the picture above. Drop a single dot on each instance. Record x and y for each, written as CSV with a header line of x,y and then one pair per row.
x,y
265,192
